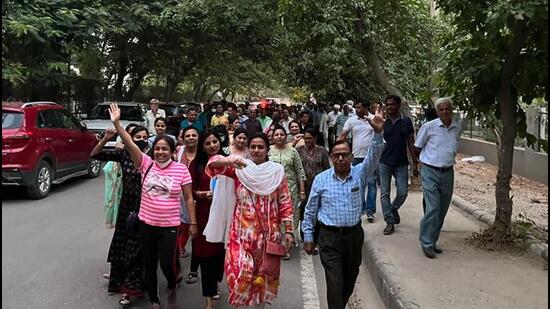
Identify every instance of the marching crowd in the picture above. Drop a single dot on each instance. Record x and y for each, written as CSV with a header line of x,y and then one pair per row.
x,y
246,185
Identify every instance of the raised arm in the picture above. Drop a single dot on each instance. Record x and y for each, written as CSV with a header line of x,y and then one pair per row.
x,y
133,149
109,133
372,159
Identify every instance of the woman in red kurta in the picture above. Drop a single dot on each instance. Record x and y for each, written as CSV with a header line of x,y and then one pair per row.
x,y
210,256
263,205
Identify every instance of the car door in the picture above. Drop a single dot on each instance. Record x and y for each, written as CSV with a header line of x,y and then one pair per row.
x,y
78,153
51,130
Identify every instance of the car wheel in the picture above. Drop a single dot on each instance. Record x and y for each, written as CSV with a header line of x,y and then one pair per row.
x,y
93,168
42,182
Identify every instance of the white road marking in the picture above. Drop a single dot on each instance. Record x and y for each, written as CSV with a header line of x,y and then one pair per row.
x,y
309,283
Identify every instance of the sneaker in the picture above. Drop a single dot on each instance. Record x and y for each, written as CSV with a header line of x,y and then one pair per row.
x,y
437,249
218,295
429,253
370,218
390,228
396,217
106,276
191,278
124,300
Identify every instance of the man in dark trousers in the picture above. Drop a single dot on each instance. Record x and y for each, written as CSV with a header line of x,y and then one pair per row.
x,y
336,202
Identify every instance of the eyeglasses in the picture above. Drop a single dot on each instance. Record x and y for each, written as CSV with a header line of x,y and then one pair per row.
x,y
338,155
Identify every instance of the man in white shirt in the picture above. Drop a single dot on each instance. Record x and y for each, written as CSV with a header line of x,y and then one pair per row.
x,y
437,142
285,121
152,115
361,135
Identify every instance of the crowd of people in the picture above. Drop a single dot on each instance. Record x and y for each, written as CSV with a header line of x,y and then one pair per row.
x,y
247,184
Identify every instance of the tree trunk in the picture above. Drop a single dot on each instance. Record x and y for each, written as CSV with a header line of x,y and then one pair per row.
x,y
371,56
136,83
120,75
507,102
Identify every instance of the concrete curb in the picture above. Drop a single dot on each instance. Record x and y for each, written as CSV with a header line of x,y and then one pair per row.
x,y
385,281
535,247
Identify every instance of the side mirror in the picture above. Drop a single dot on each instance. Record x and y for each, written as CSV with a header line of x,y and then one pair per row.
x,y
83,116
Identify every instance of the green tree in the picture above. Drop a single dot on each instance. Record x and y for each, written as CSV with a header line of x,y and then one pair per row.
x,y
367,48
497,58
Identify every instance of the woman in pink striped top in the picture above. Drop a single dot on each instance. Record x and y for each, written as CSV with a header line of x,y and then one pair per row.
x,y
163,182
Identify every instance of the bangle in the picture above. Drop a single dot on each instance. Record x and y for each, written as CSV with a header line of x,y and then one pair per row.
x,y
193,223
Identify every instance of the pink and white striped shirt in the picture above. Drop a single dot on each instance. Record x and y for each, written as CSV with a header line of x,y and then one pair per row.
x,y
161,192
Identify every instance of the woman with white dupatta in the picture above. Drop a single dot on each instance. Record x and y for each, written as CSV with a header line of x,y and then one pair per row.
x,y
263,204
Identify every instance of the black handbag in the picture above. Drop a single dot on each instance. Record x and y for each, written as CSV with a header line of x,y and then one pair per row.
x,y
132,221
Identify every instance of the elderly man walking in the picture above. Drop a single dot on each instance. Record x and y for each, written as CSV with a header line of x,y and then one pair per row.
x,y
437,142
152,114
336,203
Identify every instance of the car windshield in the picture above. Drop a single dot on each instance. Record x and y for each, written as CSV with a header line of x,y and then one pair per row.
x,y
130,113
171,110
11,120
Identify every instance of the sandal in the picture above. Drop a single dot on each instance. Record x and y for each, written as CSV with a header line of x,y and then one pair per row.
x,y
192,278
124,300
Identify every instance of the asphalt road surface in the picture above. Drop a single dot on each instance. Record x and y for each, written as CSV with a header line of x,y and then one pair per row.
x,y
54,255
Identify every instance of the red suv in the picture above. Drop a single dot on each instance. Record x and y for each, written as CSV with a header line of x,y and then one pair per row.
x,y
43,144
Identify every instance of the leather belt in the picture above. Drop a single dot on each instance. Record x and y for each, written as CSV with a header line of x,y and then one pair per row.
x,y
441,169
342,230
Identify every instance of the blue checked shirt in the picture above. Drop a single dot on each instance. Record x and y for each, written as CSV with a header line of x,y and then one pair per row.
x,y
340,203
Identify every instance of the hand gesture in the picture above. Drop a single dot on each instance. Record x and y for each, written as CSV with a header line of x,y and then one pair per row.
x,y
109,133
114,111
289,242
377,122
236,162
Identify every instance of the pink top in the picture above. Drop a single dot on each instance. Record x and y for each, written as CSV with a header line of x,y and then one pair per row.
x,y
161,192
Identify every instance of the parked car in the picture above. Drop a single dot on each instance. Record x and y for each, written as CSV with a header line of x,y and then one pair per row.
x,y
175,113
44,144
99,119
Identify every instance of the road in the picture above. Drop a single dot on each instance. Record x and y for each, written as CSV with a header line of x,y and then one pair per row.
x,y
54,255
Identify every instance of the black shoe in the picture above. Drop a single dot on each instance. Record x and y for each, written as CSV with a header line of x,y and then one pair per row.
x,y
370,218
390,228
396,217
437,249
429,253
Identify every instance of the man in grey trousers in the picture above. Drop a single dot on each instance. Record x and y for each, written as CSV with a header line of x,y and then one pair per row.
x,y
437,142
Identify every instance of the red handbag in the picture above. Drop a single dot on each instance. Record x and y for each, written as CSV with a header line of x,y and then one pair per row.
x,y
271,257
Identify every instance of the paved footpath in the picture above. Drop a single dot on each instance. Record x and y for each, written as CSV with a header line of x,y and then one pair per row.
x,y
462,277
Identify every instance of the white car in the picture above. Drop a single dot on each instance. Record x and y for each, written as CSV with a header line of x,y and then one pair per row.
x,y
99,119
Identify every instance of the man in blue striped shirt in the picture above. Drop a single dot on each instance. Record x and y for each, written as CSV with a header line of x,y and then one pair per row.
x,y
336,203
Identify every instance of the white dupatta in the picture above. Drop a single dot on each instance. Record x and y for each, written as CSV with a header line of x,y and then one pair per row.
x,y
261,179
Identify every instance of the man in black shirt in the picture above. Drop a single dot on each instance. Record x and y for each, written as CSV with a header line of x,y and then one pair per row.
x,y
399,136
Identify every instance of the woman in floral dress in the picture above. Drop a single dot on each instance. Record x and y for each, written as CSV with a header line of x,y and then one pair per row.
x,y
263,204
289,158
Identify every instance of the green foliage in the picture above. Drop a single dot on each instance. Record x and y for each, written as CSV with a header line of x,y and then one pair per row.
x,y
326,45
478,48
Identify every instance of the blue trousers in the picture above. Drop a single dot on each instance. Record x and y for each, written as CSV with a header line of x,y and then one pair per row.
x,y
371,190
401,175
437,187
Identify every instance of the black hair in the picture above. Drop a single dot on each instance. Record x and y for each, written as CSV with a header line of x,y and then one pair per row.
x,y
311,131
262,136
161,119
137,129
279,127
304,112
222,133
394,97
202,157
231,119
342,142
240,131
296,122
184,130
364,103
131,125
171,143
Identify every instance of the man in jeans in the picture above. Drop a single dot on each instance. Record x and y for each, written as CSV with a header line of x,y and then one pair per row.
x,y
399,136
361,133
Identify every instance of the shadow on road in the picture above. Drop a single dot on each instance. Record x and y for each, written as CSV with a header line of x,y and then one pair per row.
x,y
13,193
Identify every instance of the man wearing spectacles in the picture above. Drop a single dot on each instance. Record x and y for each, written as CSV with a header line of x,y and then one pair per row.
x,y
336,202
